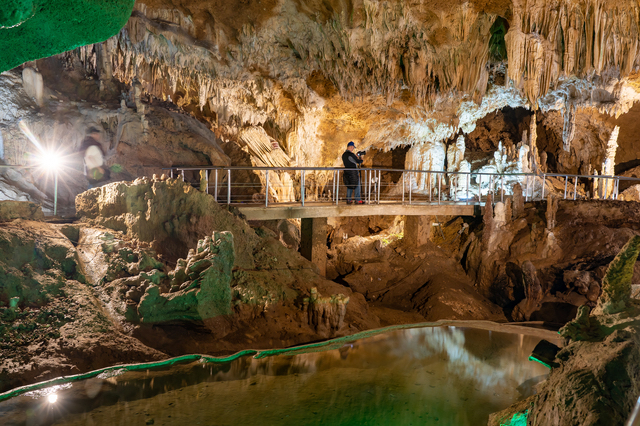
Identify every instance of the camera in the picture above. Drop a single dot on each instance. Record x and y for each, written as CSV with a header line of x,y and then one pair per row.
x,y
361,153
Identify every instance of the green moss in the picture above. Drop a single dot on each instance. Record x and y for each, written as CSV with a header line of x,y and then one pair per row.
x,y
31,30
391,238
14,12
616,284
518,419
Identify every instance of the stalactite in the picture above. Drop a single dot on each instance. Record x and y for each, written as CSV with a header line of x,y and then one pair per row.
x,y
548,40
265,152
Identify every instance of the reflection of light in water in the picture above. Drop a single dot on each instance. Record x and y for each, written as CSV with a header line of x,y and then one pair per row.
x,y
52,398
419,343
48,391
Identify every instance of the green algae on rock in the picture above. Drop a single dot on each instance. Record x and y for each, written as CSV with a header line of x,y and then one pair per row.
x,y
615,309
202,283
32,30
616,284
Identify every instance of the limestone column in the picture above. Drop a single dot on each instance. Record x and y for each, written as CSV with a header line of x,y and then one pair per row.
x,y
313,243
417,230
608,166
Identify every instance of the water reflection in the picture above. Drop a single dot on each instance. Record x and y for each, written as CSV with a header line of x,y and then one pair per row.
x,y
439,375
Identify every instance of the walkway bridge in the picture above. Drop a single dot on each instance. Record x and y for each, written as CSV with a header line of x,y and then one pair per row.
x,y
315,193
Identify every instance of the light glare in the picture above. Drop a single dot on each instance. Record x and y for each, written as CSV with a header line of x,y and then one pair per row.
x,y
53,397
50,161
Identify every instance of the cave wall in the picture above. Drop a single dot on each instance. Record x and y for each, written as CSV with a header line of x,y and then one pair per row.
x,y
312,76
316,75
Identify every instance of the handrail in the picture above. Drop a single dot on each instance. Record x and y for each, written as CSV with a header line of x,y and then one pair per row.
x,y
198,168
280,185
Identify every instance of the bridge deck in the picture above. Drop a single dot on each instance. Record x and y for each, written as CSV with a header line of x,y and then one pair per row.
x,y
313,210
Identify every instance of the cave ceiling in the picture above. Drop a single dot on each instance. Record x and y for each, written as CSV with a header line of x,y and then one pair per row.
x,y
316,74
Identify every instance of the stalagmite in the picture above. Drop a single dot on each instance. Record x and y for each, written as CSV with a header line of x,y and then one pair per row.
x,y
533,146
569,129
426,156
457,167
608,166
518,200
552,209
455,154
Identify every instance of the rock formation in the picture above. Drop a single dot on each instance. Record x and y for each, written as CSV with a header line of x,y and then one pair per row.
x,y
287,84
595,367
606,186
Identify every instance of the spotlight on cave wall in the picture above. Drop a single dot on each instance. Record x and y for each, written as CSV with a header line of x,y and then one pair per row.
x,y
51,161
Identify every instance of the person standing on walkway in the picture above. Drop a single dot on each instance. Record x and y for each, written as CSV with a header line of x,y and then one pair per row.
x,y
351,175
93,155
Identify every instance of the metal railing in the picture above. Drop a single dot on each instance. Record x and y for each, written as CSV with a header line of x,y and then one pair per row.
x,y
303,185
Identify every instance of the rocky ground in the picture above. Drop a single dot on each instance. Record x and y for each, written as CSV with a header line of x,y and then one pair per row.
x,y
154,280
52,323
156,268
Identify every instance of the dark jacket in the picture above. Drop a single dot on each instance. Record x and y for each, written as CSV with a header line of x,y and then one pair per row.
x,y
351,175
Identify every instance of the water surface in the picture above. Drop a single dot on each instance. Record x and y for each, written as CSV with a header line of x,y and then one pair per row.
x,y
417,376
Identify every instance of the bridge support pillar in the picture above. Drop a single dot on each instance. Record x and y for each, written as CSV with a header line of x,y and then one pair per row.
x,y
313,243
417,230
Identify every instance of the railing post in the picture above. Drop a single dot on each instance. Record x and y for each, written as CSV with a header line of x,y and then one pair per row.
x,y
266,192
171,173
216,187
502,188
493,193
544,180
439,187
379,184
229,186
480,188
575,187
55,193
369,186
333,186
526,190
429,184
302,187
616,187
206,176
337,186
403,173
182,175
468,181
410,188
566,179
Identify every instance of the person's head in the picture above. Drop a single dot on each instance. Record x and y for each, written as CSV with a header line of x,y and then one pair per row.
x,y
351,146
94,133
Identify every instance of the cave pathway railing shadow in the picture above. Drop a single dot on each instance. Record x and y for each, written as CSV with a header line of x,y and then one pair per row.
x,y
271,186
